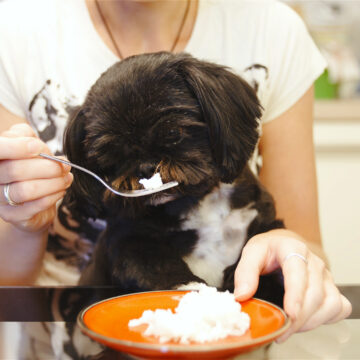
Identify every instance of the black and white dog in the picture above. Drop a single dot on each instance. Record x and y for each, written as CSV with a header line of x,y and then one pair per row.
x,y
194,122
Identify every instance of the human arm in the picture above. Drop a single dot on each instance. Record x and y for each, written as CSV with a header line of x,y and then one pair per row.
x,y
36,183
288,172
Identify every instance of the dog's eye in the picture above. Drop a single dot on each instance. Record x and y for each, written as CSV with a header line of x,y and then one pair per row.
x,y
175,135
171,136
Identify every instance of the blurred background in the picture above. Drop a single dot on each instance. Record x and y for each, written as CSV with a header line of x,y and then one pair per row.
x,y
335,27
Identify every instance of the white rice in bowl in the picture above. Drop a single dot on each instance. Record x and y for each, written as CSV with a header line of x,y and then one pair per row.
x,y
201,316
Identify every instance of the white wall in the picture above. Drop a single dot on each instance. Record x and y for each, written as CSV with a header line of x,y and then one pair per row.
x,y
337,140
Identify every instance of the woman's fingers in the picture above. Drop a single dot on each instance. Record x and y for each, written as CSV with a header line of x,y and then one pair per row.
x,y
334,306
263,254
34,215
296,280
28,169
248,270
34,184
20,147
312,294
346,310
311,297
20,143
322,304
25,191
19,130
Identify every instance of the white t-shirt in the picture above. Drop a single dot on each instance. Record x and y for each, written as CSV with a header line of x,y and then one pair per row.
x,y
50,55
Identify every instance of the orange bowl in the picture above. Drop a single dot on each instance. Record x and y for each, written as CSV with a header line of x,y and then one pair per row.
x,y
107,323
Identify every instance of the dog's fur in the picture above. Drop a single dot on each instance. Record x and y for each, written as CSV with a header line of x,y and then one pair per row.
x,y
194,122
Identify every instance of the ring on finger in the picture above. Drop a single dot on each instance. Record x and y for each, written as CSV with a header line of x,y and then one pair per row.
x,y
7,196
288,256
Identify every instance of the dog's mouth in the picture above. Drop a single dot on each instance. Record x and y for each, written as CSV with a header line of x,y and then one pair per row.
x,y
158,198
194,182
154,182
161,199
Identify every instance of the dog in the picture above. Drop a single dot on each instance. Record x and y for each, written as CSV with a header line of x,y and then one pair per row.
x,y
191,121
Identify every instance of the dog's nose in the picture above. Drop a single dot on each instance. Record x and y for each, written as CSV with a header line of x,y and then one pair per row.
x,y
146,170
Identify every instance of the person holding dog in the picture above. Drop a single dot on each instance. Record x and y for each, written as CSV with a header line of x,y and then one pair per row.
x,y
265,42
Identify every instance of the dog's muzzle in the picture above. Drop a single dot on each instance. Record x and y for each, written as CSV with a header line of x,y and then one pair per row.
x,y
161,199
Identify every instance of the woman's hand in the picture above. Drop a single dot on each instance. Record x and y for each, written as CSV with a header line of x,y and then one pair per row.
x,y
36,184
311,297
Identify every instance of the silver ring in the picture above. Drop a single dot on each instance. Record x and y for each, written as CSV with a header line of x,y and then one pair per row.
x,y
7,196
288,256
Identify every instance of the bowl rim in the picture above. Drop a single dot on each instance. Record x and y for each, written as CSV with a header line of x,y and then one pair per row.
x,y
181,348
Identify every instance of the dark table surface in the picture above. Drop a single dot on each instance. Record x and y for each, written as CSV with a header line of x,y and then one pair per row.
x,y
44,319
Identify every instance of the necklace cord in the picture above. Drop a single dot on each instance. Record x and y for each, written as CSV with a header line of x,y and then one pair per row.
x,y
118,51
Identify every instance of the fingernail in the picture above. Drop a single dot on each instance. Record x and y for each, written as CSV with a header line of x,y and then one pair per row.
x,y
68,178
66,168
293,311
242,290
282,339
34,146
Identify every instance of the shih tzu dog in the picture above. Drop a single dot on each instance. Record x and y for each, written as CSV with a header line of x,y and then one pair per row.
x,y
190,121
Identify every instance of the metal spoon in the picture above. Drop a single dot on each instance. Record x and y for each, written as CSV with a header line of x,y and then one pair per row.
x,y
126,193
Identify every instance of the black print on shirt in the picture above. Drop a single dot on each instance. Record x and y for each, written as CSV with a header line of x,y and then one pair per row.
x,y
49,111
257,76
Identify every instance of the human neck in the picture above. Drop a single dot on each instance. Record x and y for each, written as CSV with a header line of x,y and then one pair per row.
x,y
138,26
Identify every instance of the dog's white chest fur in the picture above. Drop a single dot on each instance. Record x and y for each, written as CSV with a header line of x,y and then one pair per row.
x,y
222,232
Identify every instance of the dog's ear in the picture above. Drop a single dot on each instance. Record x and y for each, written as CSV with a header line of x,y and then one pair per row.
x,y
231,109
83,197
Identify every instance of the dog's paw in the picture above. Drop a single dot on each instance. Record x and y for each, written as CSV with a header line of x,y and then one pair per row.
x,y
190,286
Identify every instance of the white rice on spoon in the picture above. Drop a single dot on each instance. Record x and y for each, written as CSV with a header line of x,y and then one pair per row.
x,y
153,183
